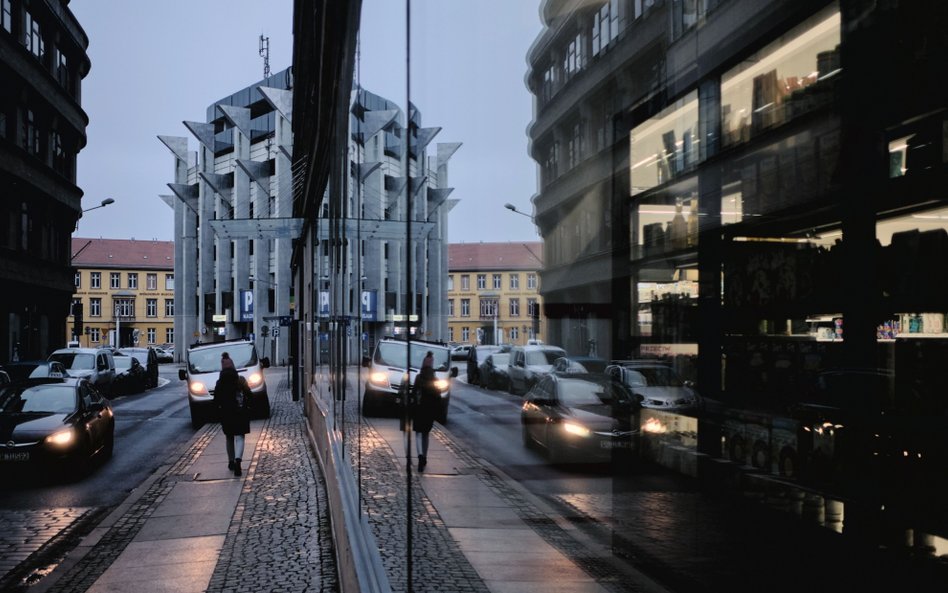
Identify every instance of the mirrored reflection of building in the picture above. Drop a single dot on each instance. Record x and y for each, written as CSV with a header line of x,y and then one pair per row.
x,y
232,201
755,193
42,129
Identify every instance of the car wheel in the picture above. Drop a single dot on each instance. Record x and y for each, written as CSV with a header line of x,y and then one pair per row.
x,y
368,406
525,433
109,447
264,411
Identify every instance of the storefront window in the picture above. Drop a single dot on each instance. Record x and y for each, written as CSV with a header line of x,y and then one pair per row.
x,y
665,146
791,76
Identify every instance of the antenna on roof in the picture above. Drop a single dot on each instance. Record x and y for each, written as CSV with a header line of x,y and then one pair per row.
x,y
265,54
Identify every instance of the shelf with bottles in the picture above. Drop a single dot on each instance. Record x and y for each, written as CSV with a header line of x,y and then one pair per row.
x,y
665,221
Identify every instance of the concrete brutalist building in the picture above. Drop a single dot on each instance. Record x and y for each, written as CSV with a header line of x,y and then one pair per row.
x,y
232,201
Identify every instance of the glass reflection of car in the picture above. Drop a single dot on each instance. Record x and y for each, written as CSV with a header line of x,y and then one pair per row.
x,y
528,364
165,354
580,418
59,422
493,371
203,368
130,375
392,362
580,364
148,357
659,385
476,356
35,369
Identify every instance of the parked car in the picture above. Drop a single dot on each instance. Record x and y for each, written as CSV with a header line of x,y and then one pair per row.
x,y
130,377
203,367
658,384
580,364
476,356
528,364
460,352
390,365
164,354
148,357
34,369
95,364
492,373
62,423
580,417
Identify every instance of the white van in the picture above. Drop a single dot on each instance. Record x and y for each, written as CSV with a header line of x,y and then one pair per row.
x,y
203,367
389,367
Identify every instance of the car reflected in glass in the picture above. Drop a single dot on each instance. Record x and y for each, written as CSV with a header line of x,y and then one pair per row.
x,y
580,418
492,372
657,384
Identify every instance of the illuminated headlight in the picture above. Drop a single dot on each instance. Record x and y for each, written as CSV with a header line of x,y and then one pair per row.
x,y
576,429
197,388
61,438
379,378
442,384
255,379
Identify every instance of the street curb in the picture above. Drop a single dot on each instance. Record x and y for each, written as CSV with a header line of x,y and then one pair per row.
x,y
76,555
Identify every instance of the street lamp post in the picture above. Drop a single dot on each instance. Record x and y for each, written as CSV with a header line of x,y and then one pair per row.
x,y
102,204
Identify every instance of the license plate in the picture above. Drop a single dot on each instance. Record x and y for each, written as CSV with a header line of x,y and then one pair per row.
x,y
614,444
15,456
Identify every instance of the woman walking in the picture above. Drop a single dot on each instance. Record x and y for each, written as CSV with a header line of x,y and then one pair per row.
x,y
232,396
427,407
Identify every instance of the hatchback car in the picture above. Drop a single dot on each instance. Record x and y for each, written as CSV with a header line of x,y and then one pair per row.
x,y
528,364
580,418
130,376
58,422
658,384
476,356
148,357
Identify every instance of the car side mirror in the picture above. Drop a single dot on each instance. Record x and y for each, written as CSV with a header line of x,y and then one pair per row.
x,y
366,361
182,374
265,363
454,371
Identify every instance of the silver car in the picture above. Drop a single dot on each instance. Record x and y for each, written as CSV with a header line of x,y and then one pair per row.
x,y
657,384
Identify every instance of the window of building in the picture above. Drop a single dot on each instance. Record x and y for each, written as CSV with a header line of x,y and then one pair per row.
x,y
94,335
95,280
465,282
450,307
125,307
78,280
62,70
481,281
515,282
551,163
488,307
450,281
33,35
115,279
169,307
60,158
788,77
151,334
169,335
532,281
532,307
6,15
169,281
151,307
575,58
574,146
95,307
465,307
515,307
663,147
498,283
151,281
465,334
133,280
514,334
450,334
31,132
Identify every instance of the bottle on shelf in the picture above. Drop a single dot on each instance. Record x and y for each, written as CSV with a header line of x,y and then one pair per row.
x,y
679,229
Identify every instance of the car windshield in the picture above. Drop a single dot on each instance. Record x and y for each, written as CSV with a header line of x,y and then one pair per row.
x,y
55,399
579,393
543,357
500,359
75,361
208,360
393,354
656,376
123,362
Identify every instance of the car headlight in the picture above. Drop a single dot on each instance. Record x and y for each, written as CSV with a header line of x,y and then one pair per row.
x,y
576,429
379,378
442,384
197,388
255,379
62,438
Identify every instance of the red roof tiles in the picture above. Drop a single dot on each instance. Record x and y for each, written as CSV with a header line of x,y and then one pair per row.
x,y
519,255
122,253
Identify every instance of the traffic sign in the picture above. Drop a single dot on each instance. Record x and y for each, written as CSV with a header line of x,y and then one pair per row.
x,y
275,333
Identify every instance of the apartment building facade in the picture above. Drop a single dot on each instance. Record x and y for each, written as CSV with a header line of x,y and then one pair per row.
x,y
124,293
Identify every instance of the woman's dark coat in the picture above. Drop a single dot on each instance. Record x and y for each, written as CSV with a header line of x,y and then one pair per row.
x,y
231,396
427,401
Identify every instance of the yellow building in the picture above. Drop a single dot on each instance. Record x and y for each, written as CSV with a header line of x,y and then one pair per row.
x,y
493,290
123,285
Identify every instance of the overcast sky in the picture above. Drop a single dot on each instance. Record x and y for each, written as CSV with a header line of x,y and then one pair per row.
x,y
156,64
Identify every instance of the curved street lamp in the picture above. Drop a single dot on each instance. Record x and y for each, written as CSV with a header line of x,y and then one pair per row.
x,y
513,208
104,203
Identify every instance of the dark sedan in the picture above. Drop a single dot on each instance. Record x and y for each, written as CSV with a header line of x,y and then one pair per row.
x,y
62,423
130,375
34,369
493,371
580,418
